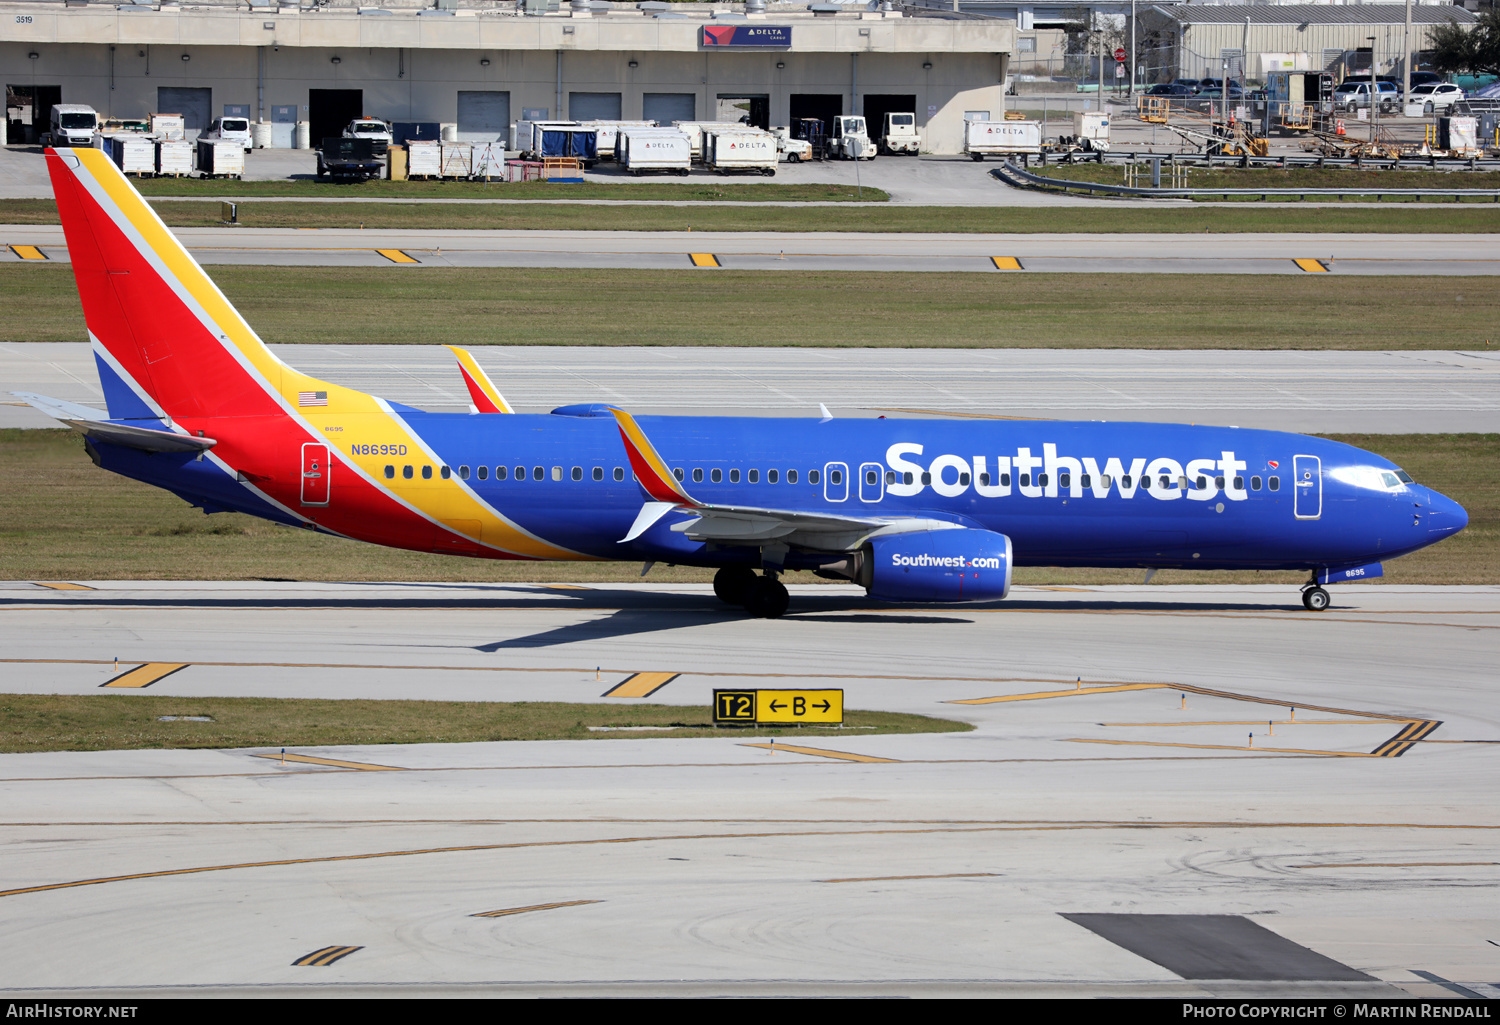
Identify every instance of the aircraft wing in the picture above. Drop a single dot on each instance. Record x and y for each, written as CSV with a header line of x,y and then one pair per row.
x,y
96,424
736,524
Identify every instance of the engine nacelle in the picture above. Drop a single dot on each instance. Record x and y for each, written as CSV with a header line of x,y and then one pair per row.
x,y
961,564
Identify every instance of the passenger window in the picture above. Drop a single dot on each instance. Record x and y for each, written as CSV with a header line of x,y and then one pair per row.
x,y
697,475
926,477
557,473
619,473
1104,481
463,473
520,473
484,472
406,472
716,475
872,477
1025,480
1254,483
1274,483
754,476
984,480
791,476
446,472
890,476
906,477
578,473
427,473
1085,481
812,476
390,472
963,479
1182,482
499,473
734,476
1125,481
1041,480
598,473
1146,483
677,473
1166,482
1065,480
1202,483
771,477
1238,483
1005,480
538,473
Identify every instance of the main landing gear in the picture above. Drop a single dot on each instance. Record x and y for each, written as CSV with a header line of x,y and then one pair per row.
x,y
762,596
1314,598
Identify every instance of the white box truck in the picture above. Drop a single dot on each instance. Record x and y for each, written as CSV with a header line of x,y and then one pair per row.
x,y
655,149
221,158
998,138
174,158
740,150
133,154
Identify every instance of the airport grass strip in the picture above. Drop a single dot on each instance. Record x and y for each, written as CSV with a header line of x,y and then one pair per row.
x,y
700,191
858,309
1102,217
66,519
1365,180
102,722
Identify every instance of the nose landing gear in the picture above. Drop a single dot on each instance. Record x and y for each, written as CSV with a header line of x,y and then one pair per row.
x,y
762,596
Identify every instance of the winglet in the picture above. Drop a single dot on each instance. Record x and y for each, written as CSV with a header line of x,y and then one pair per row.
x,y
487,399
650,469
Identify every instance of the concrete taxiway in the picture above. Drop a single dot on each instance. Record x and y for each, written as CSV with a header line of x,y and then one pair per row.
x,y
1309,391
1168,791
1277,253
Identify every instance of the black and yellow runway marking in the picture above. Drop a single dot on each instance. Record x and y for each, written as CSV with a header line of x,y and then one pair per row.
x,y
398,256
1072,692
535,907
640,685
1312,266
28,252
336,763
146,675
64,585
325,957
821,753
704,260
1006,263
1402,742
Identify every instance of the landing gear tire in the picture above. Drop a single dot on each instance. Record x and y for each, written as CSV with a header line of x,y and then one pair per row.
x,y
733,583
1315,599
767,598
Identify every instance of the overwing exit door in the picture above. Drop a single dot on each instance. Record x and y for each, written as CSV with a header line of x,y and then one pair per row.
x,y
315,468
1307,480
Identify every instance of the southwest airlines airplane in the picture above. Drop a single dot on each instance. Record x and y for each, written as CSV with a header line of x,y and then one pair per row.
x,y
913,510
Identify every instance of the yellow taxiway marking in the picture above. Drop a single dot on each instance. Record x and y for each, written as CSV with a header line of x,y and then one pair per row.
x,y
1006,263
1400,864
535,907
397,256
881,879
704,260
821,753
1312,266
28,252
325,957
1073,693
64,586
640,685
336,763
1223,747
146,675
1402,742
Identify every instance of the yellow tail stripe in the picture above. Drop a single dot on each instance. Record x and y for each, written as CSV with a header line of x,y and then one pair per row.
x,y
642,445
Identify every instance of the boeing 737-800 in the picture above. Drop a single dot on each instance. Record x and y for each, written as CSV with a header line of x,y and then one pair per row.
x,y
913,510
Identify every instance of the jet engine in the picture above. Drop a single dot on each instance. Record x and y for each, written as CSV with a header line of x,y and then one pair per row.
x,y
959,564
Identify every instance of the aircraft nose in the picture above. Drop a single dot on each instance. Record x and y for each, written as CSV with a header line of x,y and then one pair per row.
x,y
1444,516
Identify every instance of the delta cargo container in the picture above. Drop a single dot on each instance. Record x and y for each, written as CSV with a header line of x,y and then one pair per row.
x,y
655,149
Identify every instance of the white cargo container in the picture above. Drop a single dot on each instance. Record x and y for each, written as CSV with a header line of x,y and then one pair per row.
x,y
489,160
655,149
608,144
695,129
174,158
424,160
995,138
168,126
458,159
740,151
221,158
1091,129
133,154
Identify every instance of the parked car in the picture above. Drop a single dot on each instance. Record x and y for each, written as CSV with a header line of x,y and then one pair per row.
x,y
1216,85
1170,89
1190,84
1424,77
1435,97
1354,94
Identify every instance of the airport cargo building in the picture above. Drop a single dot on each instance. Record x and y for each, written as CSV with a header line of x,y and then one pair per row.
x,y
481,66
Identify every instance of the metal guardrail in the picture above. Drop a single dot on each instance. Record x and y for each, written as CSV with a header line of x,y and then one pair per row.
x,y
1288,161
1012,173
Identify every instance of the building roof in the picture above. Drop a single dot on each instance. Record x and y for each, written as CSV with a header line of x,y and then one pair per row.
x,y
1314,14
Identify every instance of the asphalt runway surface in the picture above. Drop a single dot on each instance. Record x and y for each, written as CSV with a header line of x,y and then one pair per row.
x,y
1168,791
1304,391
704,252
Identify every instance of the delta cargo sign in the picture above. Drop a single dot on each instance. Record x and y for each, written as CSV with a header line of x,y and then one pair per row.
x,y
747,35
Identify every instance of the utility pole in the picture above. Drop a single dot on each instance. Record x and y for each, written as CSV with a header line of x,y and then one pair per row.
x,y
1131,91
1406,56
1374,97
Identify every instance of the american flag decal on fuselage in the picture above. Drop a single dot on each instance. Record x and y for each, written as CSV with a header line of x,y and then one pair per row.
x,y
312,398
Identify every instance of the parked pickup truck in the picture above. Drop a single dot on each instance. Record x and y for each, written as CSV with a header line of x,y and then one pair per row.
x,y
354,159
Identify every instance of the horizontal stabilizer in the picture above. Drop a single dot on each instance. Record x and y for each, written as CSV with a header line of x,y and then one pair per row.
x,y
646,519
96,424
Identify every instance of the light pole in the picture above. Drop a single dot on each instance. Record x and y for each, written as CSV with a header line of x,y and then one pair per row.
x,y
1131,91
1374,105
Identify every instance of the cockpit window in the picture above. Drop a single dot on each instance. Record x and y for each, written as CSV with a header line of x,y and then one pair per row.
x,y
1391,480
1404,477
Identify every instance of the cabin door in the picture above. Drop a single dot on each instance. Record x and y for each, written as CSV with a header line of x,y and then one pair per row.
x,y
315,473
1307,479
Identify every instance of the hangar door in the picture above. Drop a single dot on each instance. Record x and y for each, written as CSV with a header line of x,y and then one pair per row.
x,y
329,112
483,116
664,108
195,106
877,107
594,106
